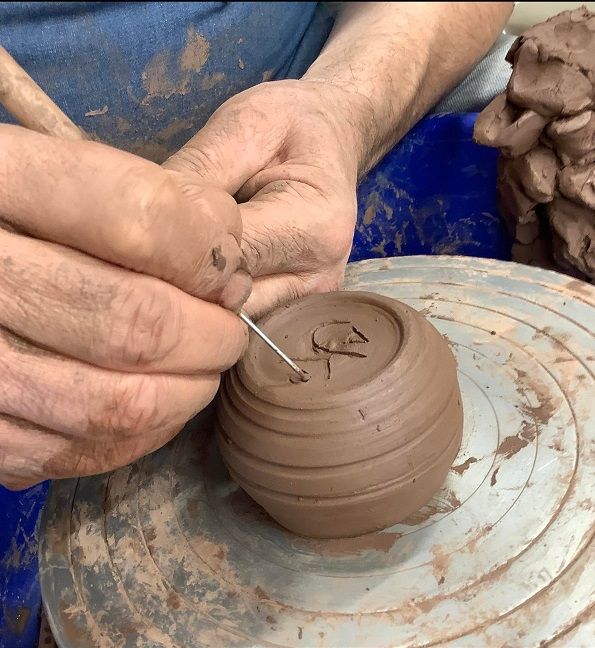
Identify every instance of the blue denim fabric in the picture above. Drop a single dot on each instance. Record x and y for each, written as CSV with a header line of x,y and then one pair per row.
x,y
157,70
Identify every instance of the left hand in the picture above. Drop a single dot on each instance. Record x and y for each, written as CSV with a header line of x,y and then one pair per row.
x,y
288,151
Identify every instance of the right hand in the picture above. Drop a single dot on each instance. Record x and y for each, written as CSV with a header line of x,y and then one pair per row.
x,y
117,284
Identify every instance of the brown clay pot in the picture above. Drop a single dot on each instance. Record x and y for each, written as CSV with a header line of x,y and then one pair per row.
x,y
367,440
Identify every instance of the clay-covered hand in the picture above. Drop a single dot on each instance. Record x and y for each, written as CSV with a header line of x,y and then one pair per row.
x,y
286,150
116,280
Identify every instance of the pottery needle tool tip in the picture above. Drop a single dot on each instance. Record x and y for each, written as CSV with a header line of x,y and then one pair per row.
x,y
304,375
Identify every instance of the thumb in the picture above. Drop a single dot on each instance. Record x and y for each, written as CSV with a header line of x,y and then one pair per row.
x,y
275,290
237,142
281,229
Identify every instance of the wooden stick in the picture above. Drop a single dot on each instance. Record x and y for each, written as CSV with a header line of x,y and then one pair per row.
x,y
30,105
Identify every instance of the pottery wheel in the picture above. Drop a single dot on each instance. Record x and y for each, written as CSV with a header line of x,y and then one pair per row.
x,y
169,552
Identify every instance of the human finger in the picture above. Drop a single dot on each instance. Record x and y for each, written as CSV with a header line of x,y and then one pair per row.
x,y
120,208
85,308
80,400
31,454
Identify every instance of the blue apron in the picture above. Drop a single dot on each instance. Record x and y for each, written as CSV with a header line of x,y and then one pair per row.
x,y
146,76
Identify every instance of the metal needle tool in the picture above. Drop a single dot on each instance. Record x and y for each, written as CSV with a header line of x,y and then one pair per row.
x,y
304,375
29,104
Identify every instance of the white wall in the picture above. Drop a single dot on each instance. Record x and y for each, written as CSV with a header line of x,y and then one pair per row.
x,y
527,14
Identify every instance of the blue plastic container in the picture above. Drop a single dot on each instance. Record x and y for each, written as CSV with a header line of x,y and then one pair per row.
x,y
19,585
435,193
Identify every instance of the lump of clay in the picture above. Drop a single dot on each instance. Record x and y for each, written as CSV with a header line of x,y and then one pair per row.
x,y
574,138
578,184
573,227
535,172
514,131
550,87
546,182
367,440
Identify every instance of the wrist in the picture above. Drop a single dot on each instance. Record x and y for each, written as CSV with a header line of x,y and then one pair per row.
x,y
354,117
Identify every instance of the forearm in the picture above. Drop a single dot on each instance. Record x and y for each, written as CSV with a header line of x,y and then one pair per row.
x,y
398,59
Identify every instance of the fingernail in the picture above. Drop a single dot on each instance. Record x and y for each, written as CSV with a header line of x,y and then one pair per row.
x,y
237,291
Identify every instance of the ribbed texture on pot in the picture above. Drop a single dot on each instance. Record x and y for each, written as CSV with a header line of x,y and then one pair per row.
x,y
355,452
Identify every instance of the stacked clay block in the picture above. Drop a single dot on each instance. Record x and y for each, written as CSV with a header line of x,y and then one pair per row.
x,y
544,126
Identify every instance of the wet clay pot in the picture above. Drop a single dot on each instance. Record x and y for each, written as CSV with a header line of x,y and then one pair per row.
x,y
367,440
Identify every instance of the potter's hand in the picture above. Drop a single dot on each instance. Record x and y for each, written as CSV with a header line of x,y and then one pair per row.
x,y
286,150
292,150
111,336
